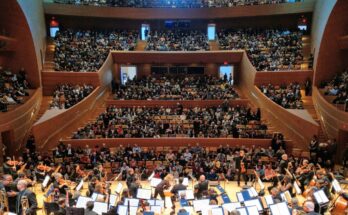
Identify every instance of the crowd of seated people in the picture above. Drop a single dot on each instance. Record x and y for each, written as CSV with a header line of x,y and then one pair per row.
x,y
287,96
177,40
338,87
268,49
66,95
13,87
131,164
86,50
142,122
176,88
171,3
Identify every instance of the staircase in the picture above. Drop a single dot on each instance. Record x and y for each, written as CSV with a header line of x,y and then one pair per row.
x,y
214,45
309,106
49,56
45,103
141,45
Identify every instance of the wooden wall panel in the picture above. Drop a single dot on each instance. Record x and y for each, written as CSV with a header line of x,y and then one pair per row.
x,y
13,21
19,121
179,13
331,59
50,80
172,142
283,77
49,129
335,121
173,103
294,127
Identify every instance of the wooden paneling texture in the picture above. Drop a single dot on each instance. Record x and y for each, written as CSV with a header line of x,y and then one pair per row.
x,y
19,121
179,13
295,128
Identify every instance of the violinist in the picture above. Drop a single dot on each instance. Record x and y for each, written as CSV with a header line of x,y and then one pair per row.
x,y
323,182
241,167
60,183
163,185
134,188
286,185
175,191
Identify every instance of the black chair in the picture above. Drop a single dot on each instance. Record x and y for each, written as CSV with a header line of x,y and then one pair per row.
x,y
75,211
50,207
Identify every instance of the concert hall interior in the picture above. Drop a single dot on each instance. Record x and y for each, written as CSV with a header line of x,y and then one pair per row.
x,y
174,107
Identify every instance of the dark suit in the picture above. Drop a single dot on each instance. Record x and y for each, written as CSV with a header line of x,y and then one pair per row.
x,y
31,200
88,212
200,188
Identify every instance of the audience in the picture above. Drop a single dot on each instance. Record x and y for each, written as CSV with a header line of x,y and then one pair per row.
x,y
171,3
177,40
287,96
65,96
13,87
86,51
176,88
141,122
268,50
338,87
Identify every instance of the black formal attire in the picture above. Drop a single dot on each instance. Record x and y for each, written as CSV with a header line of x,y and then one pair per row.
x,y
200,188
12,200
159,190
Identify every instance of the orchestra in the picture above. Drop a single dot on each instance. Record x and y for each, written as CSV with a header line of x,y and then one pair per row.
x,y
280,176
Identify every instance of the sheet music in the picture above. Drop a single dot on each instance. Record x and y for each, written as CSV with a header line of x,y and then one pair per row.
x,y
155,181
252,192
100,207
242,211
132,202
185,182
156,209
320,197
279,209
200,205
189,209
217,211
144,193
262,186
240,197
159,203
252,210
151,202
80,185
269,200
123,210
46,180
151,176
336,186
231,206
112,200
119,188
82,201
188,194
254,202
297,188
98,197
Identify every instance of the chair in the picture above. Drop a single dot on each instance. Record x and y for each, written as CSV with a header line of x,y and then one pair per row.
x,y
75,211
50,207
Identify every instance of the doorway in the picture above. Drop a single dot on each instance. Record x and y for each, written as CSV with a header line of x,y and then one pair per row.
x,y
226,71
128,73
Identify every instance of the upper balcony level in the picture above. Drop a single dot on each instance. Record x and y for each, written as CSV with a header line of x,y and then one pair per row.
x,y
137,13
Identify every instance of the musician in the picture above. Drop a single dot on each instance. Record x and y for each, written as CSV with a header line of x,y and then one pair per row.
x,y
201,187
31,197
11,191
276,195
163,185
89,208
175,191
323,182
308,207
130,177
134,188
62,207
283,164
241,167
286,185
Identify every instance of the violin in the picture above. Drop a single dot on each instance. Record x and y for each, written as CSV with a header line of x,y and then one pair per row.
x,y
44,168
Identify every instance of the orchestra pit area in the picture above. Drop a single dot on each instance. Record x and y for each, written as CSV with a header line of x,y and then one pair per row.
x,y
173,107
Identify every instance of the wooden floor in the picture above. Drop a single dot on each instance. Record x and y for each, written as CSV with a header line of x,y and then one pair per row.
x,y
230,187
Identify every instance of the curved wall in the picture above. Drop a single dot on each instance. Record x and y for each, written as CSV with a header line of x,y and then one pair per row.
x,y
179,13
293,126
